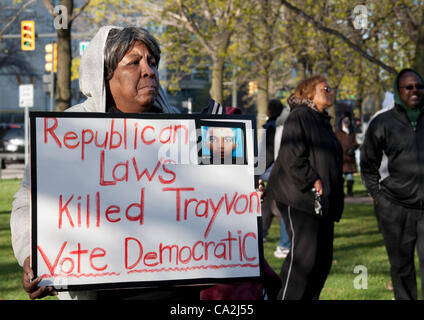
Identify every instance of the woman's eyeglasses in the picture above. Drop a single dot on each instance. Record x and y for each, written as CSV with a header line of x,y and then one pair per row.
x,y
327,89
411,87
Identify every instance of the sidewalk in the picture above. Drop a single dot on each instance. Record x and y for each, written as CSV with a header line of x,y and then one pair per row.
x,y
359,199
13,171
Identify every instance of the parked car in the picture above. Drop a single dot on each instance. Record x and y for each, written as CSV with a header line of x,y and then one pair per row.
x,y
12,144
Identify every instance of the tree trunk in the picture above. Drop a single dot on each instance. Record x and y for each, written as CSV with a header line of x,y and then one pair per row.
x,y
63,24
419,49
262,99
217,77
359,97
64,62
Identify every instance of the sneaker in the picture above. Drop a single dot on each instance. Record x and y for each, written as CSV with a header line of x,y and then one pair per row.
x,y
281,252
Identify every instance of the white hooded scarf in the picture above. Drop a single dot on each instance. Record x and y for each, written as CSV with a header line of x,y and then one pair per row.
x,y
91,78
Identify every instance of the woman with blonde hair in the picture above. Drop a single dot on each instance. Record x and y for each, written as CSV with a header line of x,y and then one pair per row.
x,y
307,183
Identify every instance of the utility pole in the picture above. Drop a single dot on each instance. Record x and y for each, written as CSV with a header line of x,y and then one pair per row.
x,y
51,66
233,84
26,100
234,96
51,89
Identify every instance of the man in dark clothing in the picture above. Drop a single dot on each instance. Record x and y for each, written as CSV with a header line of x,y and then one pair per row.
x,y
275,107
395,138
269,209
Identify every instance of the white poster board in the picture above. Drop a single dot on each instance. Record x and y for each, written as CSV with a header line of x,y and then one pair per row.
x,y
132,202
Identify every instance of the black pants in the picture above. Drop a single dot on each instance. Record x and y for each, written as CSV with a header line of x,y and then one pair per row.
x,y
402,230
308,264
269,210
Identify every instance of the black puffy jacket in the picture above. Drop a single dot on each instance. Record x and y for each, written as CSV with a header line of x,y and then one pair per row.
x,y
309,151
390,134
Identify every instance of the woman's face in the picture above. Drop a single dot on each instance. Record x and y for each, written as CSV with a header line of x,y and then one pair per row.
x,y
135,82
323,96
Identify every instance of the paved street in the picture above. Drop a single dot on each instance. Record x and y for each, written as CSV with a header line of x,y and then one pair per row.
x,y
364,200
13,171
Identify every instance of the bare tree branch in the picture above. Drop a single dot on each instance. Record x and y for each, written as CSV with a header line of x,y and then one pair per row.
x,y
50,8
341,36
12,19
409,15
207,12
406,18
81,9
192,27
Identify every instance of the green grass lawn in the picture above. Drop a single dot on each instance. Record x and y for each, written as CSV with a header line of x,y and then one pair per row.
x,y
357,243
10,271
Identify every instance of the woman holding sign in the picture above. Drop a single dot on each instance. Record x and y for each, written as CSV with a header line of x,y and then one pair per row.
x,y
307,183
118,73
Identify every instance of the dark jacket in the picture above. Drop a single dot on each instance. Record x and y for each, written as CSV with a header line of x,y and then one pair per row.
x,y
391,133
270,127
309,151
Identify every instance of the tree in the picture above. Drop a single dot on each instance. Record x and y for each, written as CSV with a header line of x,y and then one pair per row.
x,y
258,44
383,45
64,16
13,18
320,26
111,12
409,14
12,61
205,26
268,39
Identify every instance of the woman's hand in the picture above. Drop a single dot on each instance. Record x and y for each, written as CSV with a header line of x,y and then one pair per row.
x,y
31,285
318,186
261,189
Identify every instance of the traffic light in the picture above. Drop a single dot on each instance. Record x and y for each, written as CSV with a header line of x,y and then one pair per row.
x,y
27,35
253,87
51,57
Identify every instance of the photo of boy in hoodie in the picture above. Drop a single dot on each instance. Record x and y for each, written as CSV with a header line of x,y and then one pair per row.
x,y
222,145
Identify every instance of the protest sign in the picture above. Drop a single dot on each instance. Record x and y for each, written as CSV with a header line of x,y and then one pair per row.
x,y
133,200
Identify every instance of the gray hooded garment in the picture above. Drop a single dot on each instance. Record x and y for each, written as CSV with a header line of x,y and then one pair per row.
x,y
92,85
